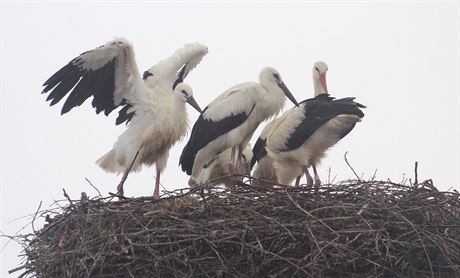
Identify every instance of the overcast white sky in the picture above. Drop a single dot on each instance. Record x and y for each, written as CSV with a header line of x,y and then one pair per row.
x,y
399,59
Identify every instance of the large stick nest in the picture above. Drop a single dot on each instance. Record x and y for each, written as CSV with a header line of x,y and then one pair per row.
x,y
350,229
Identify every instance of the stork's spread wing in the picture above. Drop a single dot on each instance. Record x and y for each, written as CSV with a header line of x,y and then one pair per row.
x,y
173,70
317,111
108,73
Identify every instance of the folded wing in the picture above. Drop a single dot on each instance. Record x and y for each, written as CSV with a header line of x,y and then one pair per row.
x,y
317,111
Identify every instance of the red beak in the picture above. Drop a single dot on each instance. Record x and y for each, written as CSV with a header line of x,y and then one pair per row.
x,y
322,80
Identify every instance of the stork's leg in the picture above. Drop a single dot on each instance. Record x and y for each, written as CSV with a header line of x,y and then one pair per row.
x,y
156,191
239,165
232,159
297,181
309,178
239,158
317,179
120,190
160,166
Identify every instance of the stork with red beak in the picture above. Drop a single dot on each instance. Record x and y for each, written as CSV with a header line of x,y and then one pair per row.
x,y
303,134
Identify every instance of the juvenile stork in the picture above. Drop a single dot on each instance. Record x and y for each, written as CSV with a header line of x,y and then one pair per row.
x,y
217,171
152,104
230,120
304,133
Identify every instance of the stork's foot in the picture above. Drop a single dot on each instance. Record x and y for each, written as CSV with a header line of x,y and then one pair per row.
x,y
309,182
317,183
120,190
156,193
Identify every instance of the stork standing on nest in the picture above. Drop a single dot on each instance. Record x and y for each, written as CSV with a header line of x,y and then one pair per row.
x,y
152,104
304,133
231,119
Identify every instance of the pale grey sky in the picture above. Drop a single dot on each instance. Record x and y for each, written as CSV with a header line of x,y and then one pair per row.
x,y
401,59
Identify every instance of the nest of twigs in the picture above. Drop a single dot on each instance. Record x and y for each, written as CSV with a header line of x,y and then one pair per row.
x,y
350,229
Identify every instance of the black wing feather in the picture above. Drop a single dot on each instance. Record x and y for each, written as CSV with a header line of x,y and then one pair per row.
x,y
259,151
67,83
103,100
56,78
124,116
317,112
205,131
180,76
98,83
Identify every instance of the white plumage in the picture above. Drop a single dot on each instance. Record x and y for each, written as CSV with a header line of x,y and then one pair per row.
x,y
152,104
217,171
231,119
303,134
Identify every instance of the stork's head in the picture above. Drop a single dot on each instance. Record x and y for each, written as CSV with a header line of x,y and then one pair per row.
x,y
272,76
319,78
185,92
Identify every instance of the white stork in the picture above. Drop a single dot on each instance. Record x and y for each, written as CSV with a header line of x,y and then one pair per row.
x,y
152,104
217,171
231,119
304,133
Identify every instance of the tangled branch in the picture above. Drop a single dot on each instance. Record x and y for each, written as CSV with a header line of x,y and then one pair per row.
x,y
368,229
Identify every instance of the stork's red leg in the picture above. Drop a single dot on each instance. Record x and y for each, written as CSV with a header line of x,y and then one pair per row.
x,y
297,181
317,179
309,178
120,190
232,161
156,191
239,162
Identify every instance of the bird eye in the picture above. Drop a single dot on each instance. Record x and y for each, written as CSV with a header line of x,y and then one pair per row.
x,y
147,74
184,93
277,77
316,68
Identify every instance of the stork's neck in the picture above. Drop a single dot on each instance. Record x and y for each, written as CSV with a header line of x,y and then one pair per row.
x,y
318,87
275,98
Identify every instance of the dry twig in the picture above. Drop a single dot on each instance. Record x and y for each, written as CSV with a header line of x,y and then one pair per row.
x,y
353,228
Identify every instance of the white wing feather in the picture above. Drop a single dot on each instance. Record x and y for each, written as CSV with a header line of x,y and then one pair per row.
x,y
189,56
127,76
234,101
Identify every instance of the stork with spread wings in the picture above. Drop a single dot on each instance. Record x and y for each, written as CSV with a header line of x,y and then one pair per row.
x,y
153,104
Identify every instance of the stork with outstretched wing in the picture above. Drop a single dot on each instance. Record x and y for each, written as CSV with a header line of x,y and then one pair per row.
x,y
153,103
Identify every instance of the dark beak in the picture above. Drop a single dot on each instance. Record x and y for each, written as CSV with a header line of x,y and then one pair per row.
x,y
194,104
288,93
180,76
